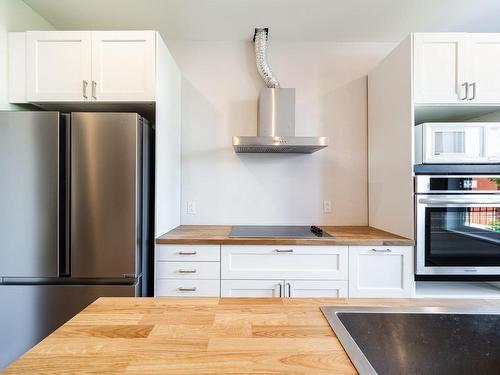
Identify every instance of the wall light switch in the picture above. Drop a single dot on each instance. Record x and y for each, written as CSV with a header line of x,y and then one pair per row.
x,y
327,207
191,208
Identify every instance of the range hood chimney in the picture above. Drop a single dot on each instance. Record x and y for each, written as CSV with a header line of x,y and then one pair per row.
x,y
276,130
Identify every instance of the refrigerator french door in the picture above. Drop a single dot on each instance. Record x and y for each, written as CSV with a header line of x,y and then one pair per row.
x,y
75,217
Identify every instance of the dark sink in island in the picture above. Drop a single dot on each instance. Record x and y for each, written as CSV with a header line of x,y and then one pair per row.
x,y
418,340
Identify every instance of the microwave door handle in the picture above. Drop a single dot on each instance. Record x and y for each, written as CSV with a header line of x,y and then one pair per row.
x,y
466,85
458,201
473,85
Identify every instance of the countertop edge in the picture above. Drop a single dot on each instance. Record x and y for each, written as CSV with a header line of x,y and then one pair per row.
x,y
284,241
343,236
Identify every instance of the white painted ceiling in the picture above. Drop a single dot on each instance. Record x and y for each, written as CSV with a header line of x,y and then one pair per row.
x,y
292,20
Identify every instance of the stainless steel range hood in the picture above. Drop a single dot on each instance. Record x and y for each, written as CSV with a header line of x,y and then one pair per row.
x,y
276,130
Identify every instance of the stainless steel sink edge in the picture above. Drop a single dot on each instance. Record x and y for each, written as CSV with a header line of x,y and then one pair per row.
x,y
355,354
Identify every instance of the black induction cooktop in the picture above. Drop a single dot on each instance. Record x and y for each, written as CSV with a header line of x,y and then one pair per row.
x,y
277,231
418,341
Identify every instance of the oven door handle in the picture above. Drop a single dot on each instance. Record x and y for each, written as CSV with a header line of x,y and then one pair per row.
x,y
458,201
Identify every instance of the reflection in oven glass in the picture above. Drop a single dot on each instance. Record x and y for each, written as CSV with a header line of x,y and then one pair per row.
x,y
462,236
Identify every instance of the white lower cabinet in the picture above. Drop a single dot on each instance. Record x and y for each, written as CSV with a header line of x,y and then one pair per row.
x,y
284,288
284,262
187,270
316,288
284,271
187,288
252,288
376,271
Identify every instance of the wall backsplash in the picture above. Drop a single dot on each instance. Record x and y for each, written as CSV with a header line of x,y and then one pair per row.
x,y
220,91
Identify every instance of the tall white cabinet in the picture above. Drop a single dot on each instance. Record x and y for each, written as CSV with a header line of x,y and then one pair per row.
x,y
427,77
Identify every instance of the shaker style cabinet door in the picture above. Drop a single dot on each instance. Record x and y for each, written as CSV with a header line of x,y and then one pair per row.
x,y
123,66
440,68
58,66
484,57
316,288
252,288
380,271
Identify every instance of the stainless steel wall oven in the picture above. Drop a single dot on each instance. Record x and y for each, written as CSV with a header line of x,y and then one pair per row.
x,y
458,227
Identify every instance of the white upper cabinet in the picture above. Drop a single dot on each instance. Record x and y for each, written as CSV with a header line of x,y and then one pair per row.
x,y
440,67
456,68
98,66
58,65
123,65
484,60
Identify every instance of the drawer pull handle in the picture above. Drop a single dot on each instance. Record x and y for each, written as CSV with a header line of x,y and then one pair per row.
x,y
181,289
381,251
187,271
283,250
187,252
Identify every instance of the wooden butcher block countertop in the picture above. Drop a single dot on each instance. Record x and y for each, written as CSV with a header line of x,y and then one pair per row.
x,y
342,235
202,336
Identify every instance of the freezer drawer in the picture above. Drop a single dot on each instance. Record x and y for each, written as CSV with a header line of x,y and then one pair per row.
x,y
30,313
29,204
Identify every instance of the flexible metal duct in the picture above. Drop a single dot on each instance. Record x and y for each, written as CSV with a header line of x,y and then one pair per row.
x,y
260,41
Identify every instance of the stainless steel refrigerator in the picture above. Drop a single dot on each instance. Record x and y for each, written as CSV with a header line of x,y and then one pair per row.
x,y
75,218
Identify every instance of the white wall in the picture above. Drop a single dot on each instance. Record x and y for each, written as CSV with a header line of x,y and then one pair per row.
x,y
220,91
15,15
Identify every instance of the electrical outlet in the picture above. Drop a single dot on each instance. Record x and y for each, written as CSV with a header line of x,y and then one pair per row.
x,y
191,208
327,207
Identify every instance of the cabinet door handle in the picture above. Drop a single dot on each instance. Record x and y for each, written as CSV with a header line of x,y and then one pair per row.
x,y
283,250
466,85
280,288
187,252
94,89
187,271
84,89
473,84
381,251
182,289
289,289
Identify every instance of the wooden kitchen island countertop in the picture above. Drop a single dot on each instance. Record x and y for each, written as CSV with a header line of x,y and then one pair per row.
x,y
342,235
202,336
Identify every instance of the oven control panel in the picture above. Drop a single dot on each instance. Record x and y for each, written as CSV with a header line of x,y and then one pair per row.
x,y
457,184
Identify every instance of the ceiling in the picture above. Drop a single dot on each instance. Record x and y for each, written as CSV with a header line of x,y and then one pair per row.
x,y
289,20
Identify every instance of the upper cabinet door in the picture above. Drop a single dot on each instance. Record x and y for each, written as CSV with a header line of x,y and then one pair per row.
x,y
484,57
440,67
123,66
58,65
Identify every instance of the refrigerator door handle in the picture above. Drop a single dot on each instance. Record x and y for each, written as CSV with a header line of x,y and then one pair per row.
x,y
65,196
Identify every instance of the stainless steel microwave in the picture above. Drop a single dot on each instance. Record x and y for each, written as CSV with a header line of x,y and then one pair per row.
x,y
457,143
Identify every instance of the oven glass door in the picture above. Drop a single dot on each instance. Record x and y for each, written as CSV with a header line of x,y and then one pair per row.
x,y
457,237
462,236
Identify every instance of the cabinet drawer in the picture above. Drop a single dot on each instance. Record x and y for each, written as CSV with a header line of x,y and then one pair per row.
x,y
187,288
381,271
198,253
188,270
284,262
